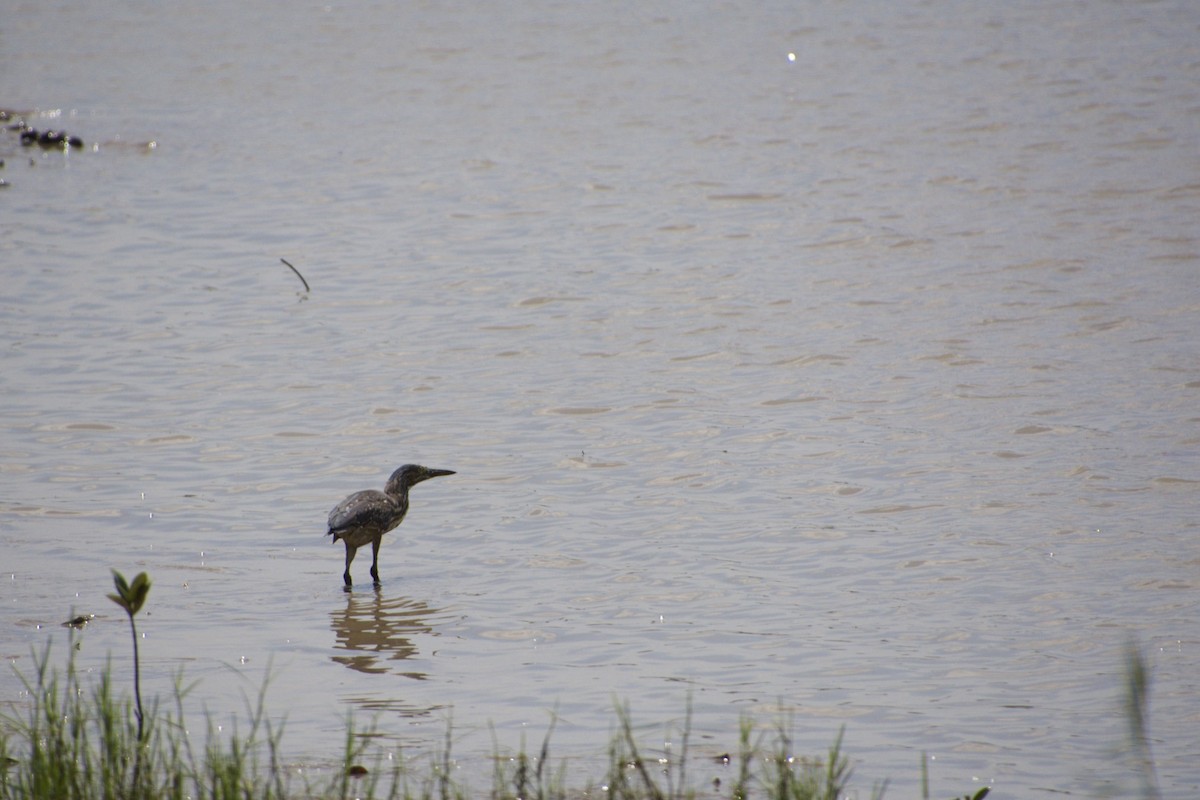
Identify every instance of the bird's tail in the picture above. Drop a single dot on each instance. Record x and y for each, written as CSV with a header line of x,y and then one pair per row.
x,y
334,534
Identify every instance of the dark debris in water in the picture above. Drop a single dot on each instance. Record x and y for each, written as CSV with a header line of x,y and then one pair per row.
x,y
48,139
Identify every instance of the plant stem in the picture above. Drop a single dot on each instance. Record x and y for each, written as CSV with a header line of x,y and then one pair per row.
x,y
137,679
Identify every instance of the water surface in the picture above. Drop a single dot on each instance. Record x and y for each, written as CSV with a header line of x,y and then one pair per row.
x,y
831,362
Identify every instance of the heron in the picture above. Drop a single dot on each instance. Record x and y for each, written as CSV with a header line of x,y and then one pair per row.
x,y
366,516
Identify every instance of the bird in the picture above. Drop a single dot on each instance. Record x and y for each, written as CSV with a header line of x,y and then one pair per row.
x,y
366,516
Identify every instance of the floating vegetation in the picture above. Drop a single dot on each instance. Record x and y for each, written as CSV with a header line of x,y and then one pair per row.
x,y
50,140
30,137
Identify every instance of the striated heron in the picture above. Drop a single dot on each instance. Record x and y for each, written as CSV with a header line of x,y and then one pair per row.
x,y
366,516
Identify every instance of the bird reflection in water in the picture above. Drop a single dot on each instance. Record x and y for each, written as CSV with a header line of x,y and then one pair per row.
x,y
374,631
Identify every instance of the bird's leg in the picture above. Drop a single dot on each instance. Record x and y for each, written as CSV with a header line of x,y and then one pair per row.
x,y
375,558
351,550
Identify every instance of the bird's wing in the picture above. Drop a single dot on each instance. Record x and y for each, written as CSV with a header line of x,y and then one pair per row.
x,y
360,508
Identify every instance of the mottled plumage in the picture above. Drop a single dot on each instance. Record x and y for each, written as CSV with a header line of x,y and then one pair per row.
x,y
366,516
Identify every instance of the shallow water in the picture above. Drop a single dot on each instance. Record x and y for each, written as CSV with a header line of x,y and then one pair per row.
x,y
838,362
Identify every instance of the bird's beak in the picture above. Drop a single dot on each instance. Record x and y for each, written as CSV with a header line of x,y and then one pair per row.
x,y
437,473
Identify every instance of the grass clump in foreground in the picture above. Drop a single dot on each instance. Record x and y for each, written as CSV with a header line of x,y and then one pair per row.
x,y
80,742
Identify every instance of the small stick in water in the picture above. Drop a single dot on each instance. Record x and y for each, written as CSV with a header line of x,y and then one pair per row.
x,y
298,275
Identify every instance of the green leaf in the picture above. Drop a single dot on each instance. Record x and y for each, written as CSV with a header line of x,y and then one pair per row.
x,y
130,597
139,590
119,601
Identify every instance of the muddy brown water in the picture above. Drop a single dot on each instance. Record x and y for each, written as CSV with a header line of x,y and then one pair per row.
x,y
838,363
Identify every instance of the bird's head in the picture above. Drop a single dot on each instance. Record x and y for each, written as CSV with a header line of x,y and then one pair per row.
x,y
410,475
